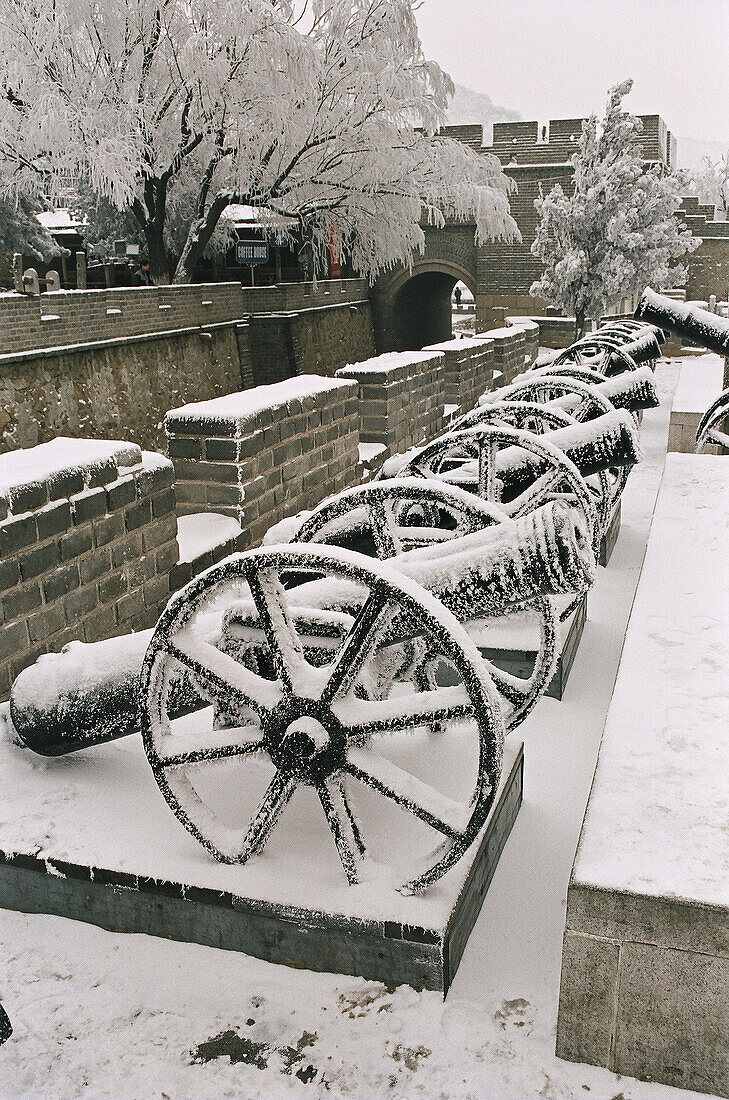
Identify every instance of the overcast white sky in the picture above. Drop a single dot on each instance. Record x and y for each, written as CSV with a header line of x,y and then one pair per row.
x,y
557,58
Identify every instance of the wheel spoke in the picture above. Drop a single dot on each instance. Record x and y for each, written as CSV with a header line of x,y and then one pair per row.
x,y
440,812
338,828
487,469
362,717
247,741
535,493
285,647
275,799
221,678
354,650
383,529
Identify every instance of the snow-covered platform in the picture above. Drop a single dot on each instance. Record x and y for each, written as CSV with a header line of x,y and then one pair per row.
x,y
699,384
90,837
611,535
512,644
645,965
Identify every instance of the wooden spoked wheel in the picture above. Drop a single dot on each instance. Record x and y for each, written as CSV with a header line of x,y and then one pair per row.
x,y
385,518
310,687
711,431
582,402
482,459
392,517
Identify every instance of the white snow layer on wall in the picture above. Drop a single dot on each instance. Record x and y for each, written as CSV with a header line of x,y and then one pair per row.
x,y
656,821
699,383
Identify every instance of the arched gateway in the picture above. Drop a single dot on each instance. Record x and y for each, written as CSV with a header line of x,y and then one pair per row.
x,y
412,307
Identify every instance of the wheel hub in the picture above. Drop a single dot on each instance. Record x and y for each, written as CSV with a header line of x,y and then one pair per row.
x,y
307,746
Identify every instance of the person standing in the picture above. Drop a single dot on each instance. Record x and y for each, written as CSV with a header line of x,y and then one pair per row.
x,y
457,296
141,276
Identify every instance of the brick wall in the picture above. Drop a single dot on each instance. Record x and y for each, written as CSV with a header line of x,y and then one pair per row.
x,y
83,363
469,370
531,335
267,453
82,316
86,549
510,354
125,386
402,396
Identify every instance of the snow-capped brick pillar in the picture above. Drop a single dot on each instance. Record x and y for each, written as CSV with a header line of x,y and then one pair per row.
x,y
510,351
265,453
402,396
87,541
469,370
531,335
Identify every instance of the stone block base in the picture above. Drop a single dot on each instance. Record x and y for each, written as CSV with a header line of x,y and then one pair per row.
x,y
133,869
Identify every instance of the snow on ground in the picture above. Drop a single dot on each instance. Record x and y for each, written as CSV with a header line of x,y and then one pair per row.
x,y
120,1016
700,382
203,531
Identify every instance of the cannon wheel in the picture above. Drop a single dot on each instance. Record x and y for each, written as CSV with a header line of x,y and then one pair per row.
x,y
377,506
443,457
388,511
319,727
544,388
709,432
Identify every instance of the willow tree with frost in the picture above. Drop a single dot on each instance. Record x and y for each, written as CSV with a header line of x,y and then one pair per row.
x,y
616,232
325,113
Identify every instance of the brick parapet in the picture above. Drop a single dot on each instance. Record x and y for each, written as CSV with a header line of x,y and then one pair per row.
x,y
402,398
469,370
530,329
510,352
265,454
90,563
72,318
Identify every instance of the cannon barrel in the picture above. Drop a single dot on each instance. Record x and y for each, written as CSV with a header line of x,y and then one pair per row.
x,y
547,552
696,324
85,695
633,390
645,348
607,441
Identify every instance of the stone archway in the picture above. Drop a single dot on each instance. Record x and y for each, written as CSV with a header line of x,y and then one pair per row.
x,y
412,306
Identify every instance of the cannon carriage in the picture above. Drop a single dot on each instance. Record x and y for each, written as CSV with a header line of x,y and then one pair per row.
x,y
305,658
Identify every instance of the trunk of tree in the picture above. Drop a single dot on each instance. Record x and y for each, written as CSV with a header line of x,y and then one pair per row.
x,y
580,323
199,236
158,266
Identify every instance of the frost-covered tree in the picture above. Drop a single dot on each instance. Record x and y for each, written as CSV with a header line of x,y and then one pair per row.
x,y
616,232
20,230
711,182
324,112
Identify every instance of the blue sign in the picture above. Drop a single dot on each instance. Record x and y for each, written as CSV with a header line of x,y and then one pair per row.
x,y
251,252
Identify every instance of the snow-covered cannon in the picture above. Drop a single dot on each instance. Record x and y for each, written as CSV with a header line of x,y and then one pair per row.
x,y
384,519
315,667
703,328
631,390
310,662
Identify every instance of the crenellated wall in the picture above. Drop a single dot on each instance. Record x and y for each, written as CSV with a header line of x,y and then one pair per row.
x,y
87,541
265,454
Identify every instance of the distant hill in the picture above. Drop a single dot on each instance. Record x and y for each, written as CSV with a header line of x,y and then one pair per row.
x,y
468,106
691,153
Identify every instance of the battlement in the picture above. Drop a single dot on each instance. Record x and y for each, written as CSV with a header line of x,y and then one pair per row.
x,y
535,143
